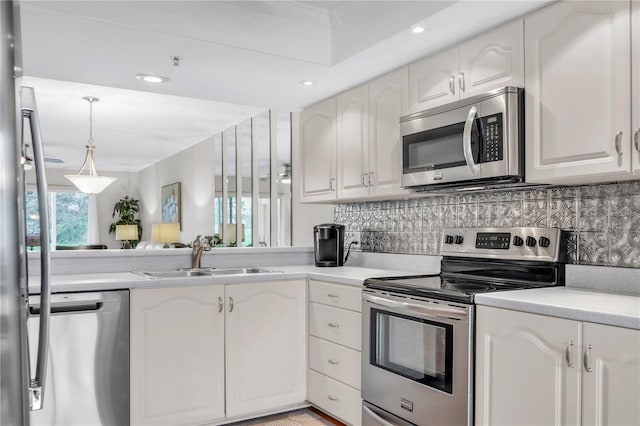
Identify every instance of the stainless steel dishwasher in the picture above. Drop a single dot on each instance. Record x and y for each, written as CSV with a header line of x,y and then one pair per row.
x,y
88,374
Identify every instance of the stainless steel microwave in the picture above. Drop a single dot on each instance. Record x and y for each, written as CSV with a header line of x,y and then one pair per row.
x,y
476,142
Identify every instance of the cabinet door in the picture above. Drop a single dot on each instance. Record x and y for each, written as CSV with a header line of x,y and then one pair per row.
x,y
611,390
265,346
635,82
177,355
577,66
353,143
492,60
318,150
388,101
432,81
524,374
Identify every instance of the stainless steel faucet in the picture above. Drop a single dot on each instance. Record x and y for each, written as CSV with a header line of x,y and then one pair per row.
x,y
199,245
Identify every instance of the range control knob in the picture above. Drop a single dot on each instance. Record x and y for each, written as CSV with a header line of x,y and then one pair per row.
x,y
448,239
544,242
459,239
517,241
531,242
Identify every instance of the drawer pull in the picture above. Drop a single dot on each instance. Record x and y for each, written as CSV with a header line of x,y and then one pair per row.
x,y
333,398
333,362
333,325
333,296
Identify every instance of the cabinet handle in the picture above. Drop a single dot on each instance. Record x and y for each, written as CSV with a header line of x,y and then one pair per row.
x,y
452,85
333,398
636,139
585,359
619,142
370,178
567,354
231,304
333,325
333,296
364,183
220,304
461,81
333,362
331,187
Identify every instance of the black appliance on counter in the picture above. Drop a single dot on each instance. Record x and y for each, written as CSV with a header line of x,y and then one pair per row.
x,y
418,331
328,244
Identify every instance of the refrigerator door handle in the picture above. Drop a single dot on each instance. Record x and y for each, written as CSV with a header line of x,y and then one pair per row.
x,y
30,112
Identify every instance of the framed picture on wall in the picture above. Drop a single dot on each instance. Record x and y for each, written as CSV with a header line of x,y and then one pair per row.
x,y
171,204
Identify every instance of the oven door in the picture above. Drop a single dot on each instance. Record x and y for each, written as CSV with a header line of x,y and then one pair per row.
x,y
417,358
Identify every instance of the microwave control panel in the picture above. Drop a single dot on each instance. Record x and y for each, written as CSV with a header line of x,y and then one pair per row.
x,y
492,135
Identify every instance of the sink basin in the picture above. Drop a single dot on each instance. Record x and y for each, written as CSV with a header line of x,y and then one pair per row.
x,y
239,271
176,274
185,273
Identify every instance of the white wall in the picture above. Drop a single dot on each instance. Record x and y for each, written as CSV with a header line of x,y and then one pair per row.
x,y
193,168
127,184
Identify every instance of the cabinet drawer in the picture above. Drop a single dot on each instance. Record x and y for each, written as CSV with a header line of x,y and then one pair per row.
x,y
335,398
335,361
336,325
337,295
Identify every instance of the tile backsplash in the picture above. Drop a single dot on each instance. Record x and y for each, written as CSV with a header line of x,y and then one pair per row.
x,y
604,220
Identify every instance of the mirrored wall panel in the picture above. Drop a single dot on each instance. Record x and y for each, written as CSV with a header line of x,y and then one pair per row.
x,y
253,182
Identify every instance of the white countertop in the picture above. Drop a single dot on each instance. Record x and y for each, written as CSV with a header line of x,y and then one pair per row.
x,y
349,275
621,310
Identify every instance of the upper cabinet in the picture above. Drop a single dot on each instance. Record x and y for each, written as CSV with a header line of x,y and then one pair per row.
x,y
635,83
351,143
578,96
318,151
492,60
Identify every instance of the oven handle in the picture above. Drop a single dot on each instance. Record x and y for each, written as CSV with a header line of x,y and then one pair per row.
x,y
466,141
438,312
376,417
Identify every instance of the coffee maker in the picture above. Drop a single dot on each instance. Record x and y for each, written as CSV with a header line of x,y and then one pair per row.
x,y
328,242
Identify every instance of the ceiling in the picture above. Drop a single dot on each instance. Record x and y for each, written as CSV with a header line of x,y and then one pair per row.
x,y
236,58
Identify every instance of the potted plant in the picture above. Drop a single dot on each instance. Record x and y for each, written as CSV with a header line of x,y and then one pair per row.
x,y
126,209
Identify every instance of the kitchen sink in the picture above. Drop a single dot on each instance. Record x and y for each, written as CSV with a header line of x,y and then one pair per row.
x,y
176,274
204,272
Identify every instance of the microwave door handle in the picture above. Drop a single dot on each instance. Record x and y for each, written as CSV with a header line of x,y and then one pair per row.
x,y
466,141
430,311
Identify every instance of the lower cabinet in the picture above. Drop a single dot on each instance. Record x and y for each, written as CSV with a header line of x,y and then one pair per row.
x,y
203,354
335,322
535,369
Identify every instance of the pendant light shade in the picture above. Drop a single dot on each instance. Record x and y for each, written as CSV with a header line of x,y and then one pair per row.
x,y
90,182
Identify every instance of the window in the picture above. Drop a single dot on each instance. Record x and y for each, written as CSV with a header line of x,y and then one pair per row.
x,y
69,218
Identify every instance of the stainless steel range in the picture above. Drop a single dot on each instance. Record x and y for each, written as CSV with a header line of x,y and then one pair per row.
x,y
418,331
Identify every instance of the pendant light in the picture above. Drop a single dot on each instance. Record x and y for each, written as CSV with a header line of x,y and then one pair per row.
x,y
90,183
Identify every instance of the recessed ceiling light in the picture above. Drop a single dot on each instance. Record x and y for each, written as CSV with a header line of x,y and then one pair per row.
x,y
417,30
307,82
152,78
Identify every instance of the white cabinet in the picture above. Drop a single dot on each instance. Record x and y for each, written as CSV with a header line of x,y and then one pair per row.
x,y
180,338
318,151
335,322
266,345
577,103
489,61
534,369
635,83
177,355
353,142
388,101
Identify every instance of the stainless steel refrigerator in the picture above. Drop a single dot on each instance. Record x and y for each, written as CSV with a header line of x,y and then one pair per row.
x,y
19,391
